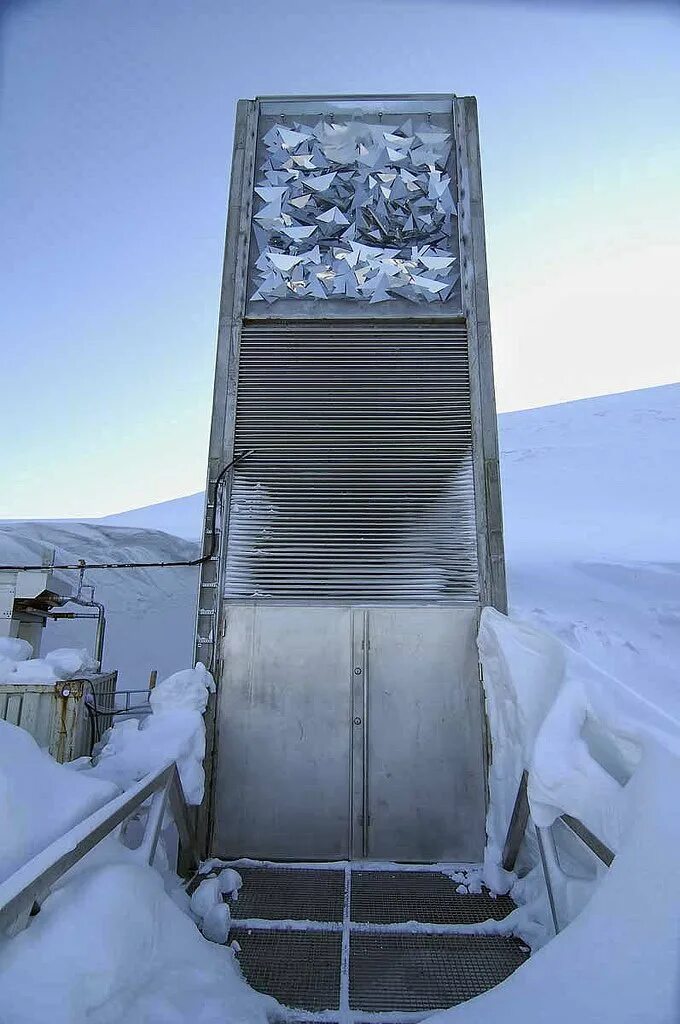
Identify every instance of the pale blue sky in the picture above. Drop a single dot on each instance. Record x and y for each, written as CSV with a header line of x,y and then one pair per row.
x,y
116,121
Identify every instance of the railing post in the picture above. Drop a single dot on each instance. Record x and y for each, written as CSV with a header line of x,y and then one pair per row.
x,y
187,857
517,826
541,835
154,823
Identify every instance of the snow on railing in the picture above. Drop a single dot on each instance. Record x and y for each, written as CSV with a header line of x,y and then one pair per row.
x,y
566,739
25,890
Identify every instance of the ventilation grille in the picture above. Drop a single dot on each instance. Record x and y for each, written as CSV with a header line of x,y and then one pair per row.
x,y
361,486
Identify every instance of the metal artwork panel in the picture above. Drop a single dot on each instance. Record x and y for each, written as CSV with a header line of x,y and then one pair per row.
x,y
356,209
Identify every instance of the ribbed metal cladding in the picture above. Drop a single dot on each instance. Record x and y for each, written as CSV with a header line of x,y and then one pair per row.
x,y
361,484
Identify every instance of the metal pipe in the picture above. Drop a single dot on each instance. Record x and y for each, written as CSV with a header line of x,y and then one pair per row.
x,y
541,834
101,624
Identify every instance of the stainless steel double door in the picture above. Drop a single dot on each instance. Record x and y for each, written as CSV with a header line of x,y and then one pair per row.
x,y
349,732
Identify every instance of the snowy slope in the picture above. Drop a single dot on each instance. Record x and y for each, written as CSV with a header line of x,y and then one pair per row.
x,y
592,526
181,516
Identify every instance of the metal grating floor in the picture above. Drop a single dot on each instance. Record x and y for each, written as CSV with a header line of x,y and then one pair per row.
x,y
294,893
299,968
341,940
426,972
390,896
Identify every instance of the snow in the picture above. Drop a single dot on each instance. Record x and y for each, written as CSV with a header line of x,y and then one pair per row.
x,y
209,908
63,663
618,960
182,517
14,649
70,662
35,670
603,753
112,942
174,731
109,945
592,531
39,800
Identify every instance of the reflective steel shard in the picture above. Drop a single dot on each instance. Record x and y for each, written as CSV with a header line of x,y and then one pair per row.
x,y
355,210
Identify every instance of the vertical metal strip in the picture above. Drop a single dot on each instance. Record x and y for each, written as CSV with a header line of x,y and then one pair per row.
x,y
366,821
475,299
232,299
467,278
345,1016
357,736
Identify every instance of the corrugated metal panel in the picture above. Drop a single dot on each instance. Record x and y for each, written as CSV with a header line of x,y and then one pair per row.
x,y
361,486
55,714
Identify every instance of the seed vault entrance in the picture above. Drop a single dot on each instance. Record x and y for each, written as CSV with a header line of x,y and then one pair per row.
x,y
361,535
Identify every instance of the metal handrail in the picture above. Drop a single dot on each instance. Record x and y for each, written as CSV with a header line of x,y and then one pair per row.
x,y
547,848
143,708
30,884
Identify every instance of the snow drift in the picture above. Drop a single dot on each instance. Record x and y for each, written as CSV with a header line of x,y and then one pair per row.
x,y
110,944
39,799
596,750
174,731
17,665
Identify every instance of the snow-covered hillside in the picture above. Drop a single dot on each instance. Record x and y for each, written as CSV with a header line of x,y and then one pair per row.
x,y
592,527
591,498
182,517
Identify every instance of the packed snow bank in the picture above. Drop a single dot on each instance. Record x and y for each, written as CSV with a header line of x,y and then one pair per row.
x,y
599,751
173,731
69,662
14,649
208,906
592,531
39,799
109,945
18,666
619,960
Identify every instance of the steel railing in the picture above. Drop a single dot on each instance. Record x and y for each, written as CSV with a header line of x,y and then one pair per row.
x,y
547,847
23,892
132,702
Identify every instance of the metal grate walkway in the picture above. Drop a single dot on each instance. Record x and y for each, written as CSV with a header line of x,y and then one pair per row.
x,y
348,941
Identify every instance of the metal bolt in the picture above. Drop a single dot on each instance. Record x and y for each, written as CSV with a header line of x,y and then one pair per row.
x,y
357,671
357,721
